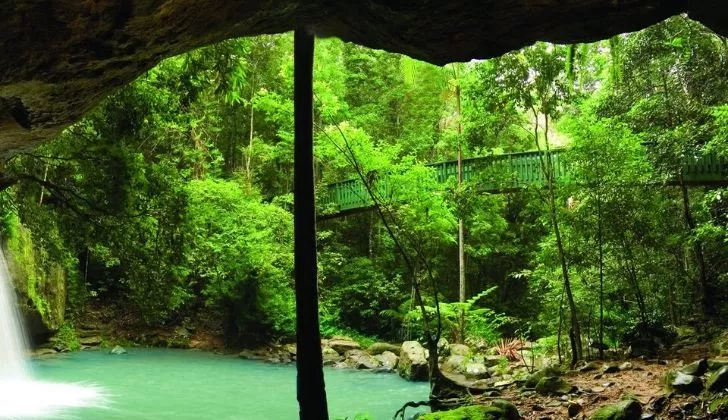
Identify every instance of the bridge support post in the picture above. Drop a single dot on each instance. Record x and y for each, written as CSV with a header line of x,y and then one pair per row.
x,y
311,391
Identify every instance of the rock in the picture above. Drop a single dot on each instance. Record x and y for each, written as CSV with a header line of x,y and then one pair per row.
x,y
388,360
626,366
443,347
697,368
497,410
459,350
597,389
412,362
648,416
455,363
589,367
43,351
476,371
610,368
687,384
118,350
532,380
503,383
624,410
360,359
379,348
553,385
573,409
719,380
343,344
330,356
90,341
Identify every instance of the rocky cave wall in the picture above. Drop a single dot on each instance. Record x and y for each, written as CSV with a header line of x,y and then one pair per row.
x,y
60,57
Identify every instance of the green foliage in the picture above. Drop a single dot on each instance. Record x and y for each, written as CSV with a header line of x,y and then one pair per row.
x,y
66,338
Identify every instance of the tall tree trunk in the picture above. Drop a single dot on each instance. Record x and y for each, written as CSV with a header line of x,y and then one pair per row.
x,y
705,289
461,227
548,170
311,390
249,154
601,275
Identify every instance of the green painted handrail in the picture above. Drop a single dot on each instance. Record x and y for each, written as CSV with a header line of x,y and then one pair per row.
x,y
506,173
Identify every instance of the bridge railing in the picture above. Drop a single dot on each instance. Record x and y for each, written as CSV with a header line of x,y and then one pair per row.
x,y
509,172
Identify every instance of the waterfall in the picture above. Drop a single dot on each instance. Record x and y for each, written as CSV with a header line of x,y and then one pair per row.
x,y
12,336
20,395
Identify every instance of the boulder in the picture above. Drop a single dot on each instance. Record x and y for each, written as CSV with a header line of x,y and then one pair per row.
x,y
388,360
118,350
330,356
697,368
589,367
443,347
412,362
360,359
535,377
610,368
687,384
476,371
43,351
719,380
379,348
454,363
626,366
90,341
459,350
553,385
343,344
624,410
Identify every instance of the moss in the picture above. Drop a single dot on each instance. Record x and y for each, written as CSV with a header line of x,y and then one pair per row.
x,y
66,338
628,409
498,410
553,385
549,371
39,275
719,406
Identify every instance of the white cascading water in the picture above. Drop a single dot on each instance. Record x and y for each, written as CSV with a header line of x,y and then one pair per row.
x,y
20,395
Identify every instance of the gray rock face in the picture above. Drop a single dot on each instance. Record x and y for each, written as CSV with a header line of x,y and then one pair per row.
x,y
459,350
387,360
379,348
58,62
687,384
454,363
476,371
330,356
342,345
412,362
360,359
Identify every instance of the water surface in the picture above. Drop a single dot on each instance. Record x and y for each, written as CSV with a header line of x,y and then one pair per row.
x,y
181,384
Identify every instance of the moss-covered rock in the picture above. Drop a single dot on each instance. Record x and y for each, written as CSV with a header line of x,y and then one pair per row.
x,y
624,410
697,368
718,380
686,384
498,410
40,281
379,348
548,371
553,385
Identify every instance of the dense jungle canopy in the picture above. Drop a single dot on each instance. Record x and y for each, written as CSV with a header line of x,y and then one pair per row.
x,y
170,203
